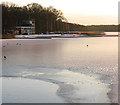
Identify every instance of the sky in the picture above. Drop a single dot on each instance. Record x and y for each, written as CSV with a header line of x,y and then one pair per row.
x,y
86,12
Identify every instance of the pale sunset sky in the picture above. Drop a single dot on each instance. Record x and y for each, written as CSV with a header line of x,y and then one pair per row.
x,y
84,12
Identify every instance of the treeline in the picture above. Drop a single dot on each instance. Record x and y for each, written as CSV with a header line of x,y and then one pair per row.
x,y
105,28
47,19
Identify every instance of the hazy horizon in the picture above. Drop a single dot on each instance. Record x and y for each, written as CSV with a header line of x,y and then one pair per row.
x,y
84,12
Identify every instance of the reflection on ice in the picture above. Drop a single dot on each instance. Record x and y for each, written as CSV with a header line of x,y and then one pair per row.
x,y
83,74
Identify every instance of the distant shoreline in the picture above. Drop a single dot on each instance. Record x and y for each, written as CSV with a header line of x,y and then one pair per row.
x,y
12,37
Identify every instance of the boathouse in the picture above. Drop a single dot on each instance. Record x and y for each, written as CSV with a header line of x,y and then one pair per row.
x,y
27,28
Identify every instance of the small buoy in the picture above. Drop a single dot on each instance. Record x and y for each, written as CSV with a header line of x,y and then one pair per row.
x,y
5,57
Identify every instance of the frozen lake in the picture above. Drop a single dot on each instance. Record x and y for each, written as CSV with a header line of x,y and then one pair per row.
x,y
75,72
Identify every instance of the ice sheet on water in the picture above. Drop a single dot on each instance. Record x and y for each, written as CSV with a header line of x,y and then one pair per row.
x,y
73,86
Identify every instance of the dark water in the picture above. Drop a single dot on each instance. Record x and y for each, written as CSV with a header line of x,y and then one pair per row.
x,y
83,73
